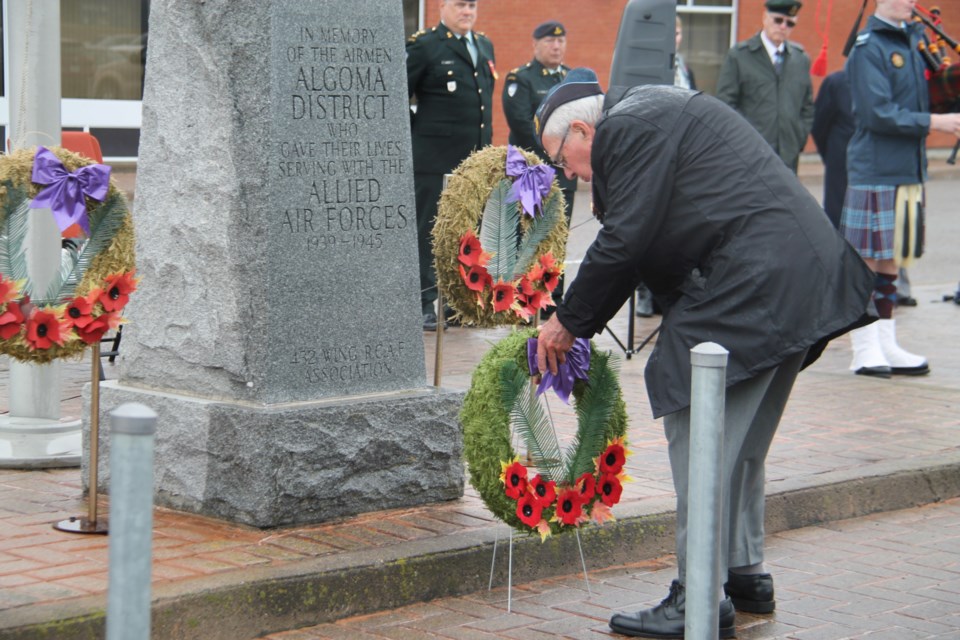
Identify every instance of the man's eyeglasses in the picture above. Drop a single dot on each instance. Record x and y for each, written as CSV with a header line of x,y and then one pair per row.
x,y
780,20
558,160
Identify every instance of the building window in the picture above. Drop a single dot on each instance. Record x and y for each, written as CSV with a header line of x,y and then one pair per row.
x,y
708,33
103,48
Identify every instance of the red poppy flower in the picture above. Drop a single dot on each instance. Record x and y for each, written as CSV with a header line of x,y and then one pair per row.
x,y
503,296
539,300
544,492
551,272
9,289
529,511
525,287
94,331
477,278
11,320
536,272
587,486
613,459
610,489
471,253
44,329
514,478
79,312
569,507
117,292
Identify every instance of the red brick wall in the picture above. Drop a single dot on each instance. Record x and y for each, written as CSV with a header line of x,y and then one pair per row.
x,y
592,29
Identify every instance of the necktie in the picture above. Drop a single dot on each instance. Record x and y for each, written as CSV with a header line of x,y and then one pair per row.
x,y
471,48
778,61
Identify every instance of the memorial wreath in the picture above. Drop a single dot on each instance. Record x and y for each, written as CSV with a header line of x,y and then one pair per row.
x,y
95,278
500,236
563,489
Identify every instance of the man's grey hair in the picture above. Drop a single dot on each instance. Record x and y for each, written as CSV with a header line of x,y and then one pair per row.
x,y
588,109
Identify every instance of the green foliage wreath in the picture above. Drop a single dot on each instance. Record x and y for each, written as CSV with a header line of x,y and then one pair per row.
x,y
519,244
486,419
102,265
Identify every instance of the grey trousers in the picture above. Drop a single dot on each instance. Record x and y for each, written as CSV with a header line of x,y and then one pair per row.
x,y
752,413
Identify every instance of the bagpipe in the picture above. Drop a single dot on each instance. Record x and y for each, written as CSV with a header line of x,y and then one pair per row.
x,y
936,48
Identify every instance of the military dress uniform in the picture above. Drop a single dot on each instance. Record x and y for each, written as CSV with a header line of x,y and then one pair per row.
x,y
523,90
453,118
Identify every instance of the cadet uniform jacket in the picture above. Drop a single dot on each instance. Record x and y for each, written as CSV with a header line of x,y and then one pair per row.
x,y
891,105
523,90
695,204
454,99
780,107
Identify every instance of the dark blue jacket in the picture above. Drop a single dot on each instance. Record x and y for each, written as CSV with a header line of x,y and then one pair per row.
x,y
891,106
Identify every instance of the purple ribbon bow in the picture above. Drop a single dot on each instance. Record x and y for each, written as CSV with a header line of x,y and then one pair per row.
x,y
533,183
575,368
64,191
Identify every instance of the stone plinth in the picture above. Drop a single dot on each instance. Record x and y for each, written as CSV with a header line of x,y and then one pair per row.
x,y
276,240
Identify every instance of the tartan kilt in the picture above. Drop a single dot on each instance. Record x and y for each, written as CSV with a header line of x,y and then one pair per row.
x,y
944,87
868,222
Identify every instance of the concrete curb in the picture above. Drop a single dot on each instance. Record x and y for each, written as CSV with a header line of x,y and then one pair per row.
x,y
248,604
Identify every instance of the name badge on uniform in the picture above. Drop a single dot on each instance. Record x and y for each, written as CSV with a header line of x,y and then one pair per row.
x,y
896,59
446,62
511,89
451,85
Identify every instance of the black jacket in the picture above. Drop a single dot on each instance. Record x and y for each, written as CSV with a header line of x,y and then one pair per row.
x,y
454,99
832,129
698,206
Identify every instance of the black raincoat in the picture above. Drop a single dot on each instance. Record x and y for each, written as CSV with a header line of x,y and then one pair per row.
x,y
697,205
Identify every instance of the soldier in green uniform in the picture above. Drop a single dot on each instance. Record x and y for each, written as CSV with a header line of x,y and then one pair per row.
x,y
450,71
767,80
524,89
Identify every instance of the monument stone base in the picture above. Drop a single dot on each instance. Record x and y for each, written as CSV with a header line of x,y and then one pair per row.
x,y
297,463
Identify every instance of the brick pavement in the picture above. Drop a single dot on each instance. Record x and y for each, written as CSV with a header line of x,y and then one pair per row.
x,y
839,430
888,576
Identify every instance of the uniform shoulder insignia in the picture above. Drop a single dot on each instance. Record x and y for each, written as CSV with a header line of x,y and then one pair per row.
x,y
413,38
862,38
512,76
513,71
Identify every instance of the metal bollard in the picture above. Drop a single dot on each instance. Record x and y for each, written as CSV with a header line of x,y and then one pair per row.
x,y
704,500
132,427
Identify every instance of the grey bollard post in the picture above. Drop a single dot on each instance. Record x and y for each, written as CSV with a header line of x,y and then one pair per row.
x,y
132,427
704,499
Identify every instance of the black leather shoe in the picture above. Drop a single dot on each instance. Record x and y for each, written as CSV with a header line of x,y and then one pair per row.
x,y
450,318
753,593
876,372
906,301
920,370
430,321
666,620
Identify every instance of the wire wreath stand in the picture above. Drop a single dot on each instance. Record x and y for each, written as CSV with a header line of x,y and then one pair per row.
x,y
496,540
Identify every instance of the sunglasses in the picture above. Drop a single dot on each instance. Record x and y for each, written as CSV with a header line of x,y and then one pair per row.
x,y
780,20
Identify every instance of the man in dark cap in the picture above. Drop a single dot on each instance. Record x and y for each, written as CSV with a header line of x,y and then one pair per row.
x,y
695,203
450,70
524,89
767,80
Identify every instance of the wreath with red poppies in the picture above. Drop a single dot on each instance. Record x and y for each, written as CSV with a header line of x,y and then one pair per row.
x,y
552,491
86,297
500,237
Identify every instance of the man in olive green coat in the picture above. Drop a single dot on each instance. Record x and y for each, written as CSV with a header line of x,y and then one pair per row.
x,y
524,89
767,80
450,70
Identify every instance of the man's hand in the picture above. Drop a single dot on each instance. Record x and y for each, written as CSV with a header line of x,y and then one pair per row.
x,y
552,345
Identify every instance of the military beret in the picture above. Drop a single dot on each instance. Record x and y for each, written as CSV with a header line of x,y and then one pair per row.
x,y
786,7
579,83
547,29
